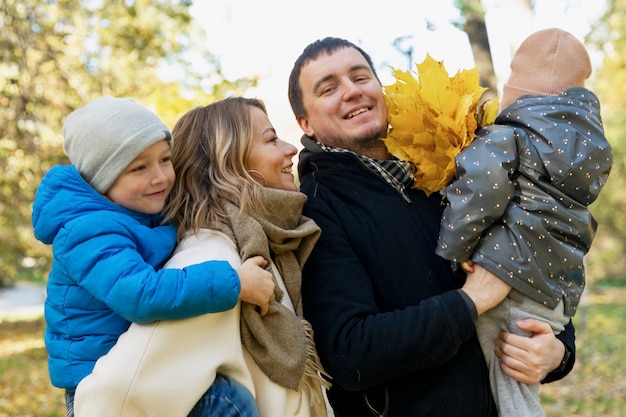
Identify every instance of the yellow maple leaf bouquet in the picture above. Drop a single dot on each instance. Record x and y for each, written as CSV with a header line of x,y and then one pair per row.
x,y
432,117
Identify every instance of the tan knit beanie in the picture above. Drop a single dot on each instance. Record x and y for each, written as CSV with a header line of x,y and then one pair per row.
x,y
106,135
547,63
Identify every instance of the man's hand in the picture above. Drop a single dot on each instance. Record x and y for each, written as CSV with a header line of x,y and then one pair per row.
x,y
485,289
529,359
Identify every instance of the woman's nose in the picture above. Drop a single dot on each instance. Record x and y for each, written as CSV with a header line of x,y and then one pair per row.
x,y
288,149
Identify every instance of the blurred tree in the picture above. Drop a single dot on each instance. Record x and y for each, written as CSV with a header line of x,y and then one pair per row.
x,y
607,257
57,55
473,23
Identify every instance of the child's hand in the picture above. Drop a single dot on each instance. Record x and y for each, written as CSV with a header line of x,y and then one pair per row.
x,y
257,284
468,266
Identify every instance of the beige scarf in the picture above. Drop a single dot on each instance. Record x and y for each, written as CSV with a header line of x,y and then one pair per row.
x,y
280,342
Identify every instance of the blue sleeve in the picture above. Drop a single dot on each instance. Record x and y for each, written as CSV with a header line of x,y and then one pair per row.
x,y
107,262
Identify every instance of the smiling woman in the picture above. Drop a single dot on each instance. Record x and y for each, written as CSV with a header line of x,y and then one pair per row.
x,y
235,198
102,215
270,157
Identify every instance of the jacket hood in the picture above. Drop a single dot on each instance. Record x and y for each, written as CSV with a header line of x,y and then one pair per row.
x,y
310,147
567,133
64,195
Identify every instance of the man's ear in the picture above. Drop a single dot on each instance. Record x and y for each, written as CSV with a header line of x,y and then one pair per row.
x,y
304,124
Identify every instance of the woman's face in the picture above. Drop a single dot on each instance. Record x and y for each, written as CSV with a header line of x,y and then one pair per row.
x,y
269,160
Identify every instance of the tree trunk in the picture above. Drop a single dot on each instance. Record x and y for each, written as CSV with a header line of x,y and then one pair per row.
x,y
474,25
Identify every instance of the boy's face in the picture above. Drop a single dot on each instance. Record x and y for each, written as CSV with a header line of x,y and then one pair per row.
x,y
146,182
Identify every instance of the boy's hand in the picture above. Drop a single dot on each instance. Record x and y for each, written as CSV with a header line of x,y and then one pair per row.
x,y
257,284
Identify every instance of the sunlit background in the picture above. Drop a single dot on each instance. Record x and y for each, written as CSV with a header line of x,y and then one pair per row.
x,y
266,36
57,55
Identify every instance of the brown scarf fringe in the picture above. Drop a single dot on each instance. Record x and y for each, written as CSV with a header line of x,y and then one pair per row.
x,y
280,342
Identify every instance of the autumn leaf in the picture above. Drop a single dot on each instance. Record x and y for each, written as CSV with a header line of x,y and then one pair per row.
x,y
433,117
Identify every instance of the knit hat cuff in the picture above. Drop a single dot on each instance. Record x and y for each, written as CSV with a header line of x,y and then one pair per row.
x,y
511,93
113,166
104,137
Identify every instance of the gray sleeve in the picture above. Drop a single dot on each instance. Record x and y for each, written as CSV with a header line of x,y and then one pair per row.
x,y
480,193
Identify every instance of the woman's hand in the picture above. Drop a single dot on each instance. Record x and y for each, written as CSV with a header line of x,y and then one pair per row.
x,y
485,289
529,359
257,284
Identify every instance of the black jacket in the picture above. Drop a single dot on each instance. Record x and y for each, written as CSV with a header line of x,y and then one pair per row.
x,y
387,315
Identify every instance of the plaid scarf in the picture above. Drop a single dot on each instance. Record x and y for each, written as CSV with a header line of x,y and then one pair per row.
x,y
397,173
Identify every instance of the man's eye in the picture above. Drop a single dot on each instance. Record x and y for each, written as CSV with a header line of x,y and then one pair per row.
x,y
327,90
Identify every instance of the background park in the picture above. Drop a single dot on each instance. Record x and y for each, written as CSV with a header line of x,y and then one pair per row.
x,y
172,55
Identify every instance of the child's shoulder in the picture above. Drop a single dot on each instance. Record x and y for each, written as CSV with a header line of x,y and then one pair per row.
x,y
99,230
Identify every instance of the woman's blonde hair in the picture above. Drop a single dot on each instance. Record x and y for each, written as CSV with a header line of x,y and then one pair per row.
x,y
211,145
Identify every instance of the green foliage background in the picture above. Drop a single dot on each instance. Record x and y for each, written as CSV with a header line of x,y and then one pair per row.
x,y
57,55
607,255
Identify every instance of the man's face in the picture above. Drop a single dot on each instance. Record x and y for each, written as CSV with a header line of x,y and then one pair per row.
x,y
343,100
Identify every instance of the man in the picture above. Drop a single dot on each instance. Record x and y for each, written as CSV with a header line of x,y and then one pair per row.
x,y
393,325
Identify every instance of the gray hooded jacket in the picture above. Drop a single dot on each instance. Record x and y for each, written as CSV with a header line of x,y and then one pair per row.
x,y
519,204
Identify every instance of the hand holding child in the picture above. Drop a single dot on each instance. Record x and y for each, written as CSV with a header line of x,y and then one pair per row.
x,y
484,288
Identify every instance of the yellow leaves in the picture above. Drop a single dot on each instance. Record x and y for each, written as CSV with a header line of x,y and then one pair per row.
x,y
433,117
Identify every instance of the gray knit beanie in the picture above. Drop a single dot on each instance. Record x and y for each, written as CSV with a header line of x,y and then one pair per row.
x,y
104,137
547,63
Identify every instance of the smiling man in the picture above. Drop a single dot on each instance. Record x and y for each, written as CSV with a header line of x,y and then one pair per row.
x,y
393,325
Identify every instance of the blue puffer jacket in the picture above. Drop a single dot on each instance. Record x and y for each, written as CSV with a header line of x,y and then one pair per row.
x,y
104,274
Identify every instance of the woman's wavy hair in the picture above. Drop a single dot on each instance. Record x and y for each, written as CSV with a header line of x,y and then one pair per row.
x,y
210,147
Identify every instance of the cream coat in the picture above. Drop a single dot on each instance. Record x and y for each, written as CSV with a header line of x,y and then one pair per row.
x,y
163,368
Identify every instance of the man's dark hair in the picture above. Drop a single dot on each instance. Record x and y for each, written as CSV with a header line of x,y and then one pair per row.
x,y
311,52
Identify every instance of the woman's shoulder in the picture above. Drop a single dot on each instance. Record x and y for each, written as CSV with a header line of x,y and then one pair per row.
x,y
205,245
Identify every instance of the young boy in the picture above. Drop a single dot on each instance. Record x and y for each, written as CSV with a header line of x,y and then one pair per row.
x,y
519,205
102,216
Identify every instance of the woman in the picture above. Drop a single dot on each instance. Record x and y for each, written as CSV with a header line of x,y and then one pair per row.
x,y
234,198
